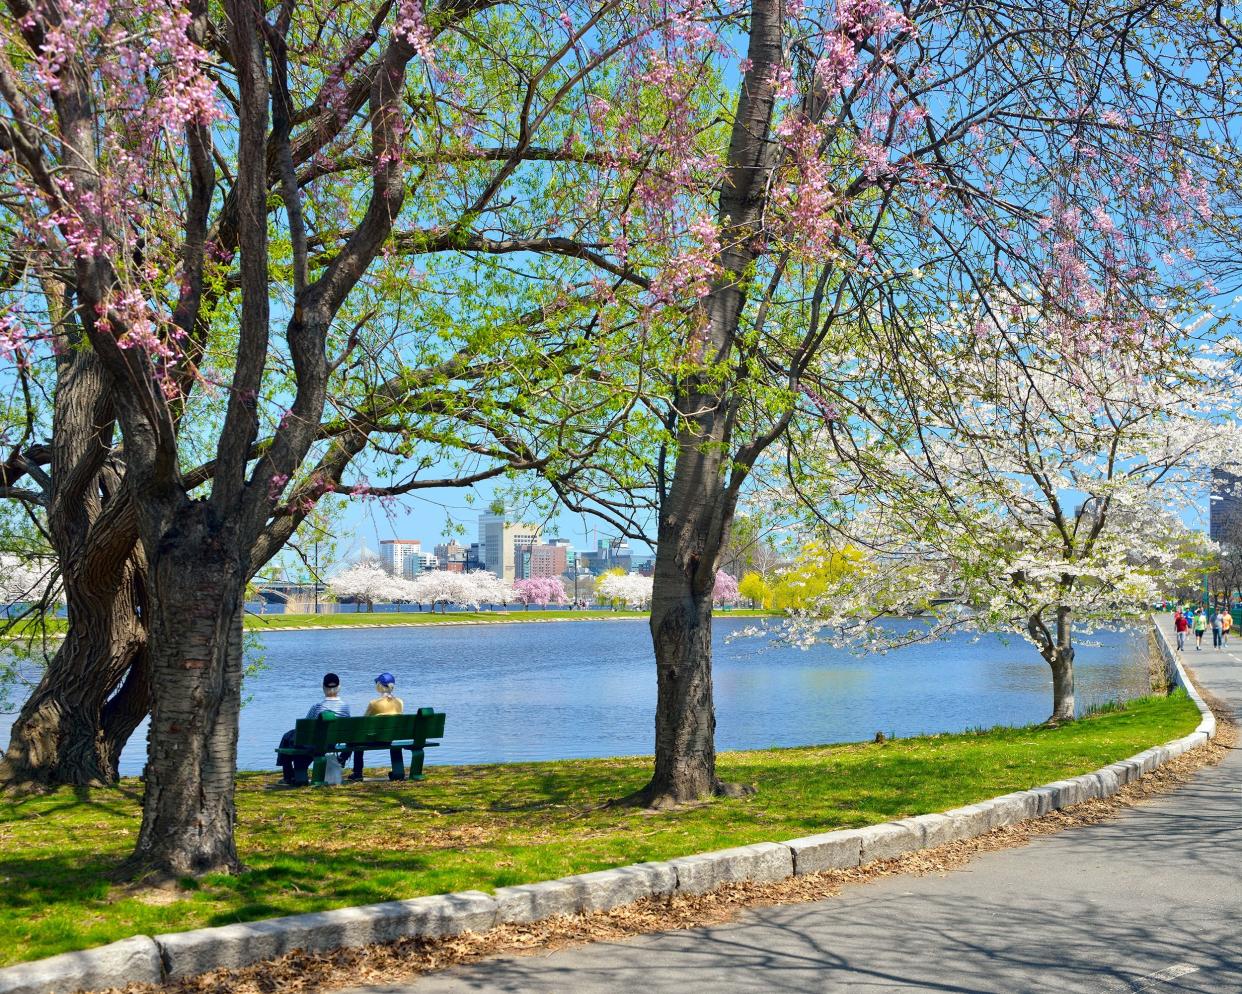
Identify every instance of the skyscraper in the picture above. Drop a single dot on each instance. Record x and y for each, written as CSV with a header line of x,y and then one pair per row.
x,y
395,552
498,537
1225,509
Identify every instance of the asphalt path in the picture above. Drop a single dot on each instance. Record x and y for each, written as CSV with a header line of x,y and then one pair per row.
x,y
1150,901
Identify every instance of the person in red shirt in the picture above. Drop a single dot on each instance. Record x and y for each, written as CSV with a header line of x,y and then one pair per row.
x,y
1182,626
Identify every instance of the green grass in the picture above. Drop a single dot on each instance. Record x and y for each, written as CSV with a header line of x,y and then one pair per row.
x,y
490,826
259,622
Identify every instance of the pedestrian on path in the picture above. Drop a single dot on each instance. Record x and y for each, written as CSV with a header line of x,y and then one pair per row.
x,y
1200,626
1218,623
1226,623
1181,626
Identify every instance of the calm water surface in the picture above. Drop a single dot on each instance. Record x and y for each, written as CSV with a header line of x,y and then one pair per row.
x,y
555,690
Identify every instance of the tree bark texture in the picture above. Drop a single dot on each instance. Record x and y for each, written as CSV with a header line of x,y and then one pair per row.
x,y
73,726
195,658
76,722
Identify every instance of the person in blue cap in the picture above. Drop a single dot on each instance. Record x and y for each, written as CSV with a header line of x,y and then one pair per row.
x,y
386,703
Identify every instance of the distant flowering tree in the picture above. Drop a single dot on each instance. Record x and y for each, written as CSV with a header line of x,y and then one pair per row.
x,y
629,589
25,581
539,590
726,589
489,588
441,588
755,589
368,582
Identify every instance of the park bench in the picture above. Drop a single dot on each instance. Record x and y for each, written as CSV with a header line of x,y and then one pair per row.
x,y
319,737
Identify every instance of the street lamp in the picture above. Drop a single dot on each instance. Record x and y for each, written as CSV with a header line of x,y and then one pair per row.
x,y
315,578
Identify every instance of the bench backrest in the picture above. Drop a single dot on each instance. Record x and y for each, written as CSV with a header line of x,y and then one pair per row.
x,y
324,732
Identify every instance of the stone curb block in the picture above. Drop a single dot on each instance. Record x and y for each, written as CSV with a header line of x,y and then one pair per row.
x,y
1045,799
1010,809
971,820
886,841
607,889
936,829
1066,793
188,953
597,891
535,902
135,960
764,862
840,850
1088,786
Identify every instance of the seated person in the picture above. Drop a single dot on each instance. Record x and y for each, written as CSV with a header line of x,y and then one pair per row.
x,y
386,703
331,702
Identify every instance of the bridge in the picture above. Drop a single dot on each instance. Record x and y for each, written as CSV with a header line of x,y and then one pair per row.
x,y
280,592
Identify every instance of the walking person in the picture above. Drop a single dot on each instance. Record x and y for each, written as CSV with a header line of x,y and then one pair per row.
x,y
1218,624
1181,626
1200,626
1226,623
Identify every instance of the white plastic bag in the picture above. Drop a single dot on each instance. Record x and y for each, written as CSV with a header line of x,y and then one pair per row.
x,y
331,770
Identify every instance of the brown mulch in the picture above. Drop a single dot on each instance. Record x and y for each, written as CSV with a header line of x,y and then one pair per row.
x,y
407,958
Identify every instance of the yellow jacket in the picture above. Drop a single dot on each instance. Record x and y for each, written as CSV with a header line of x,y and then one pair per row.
x,y
387,704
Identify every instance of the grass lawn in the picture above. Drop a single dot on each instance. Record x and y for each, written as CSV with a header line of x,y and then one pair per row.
x,y
489,826
268,621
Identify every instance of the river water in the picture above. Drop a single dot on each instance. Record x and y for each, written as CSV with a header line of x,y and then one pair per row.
x,y
555,690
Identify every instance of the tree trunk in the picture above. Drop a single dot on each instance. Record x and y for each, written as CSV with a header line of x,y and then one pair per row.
x,y
1062,665
61,735
1058,651
685,725
196,667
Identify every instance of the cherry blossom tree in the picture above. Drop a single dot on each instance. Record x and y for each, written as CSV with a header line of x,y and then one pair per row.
x,y
539,590
24,581
440,588
725,591
369,582
488,588
1031,497
629,589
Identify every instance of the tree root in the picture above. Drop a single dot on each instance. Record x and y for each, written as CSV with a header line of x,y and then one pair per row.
x,y
650,798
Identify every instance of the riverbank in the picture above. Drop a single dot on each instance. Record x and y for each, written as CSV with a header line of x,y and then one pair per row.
x,y
55,627
496,825
393,619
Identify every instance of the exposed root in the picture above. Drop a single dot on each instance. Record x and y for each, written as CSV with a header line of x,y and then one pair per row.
x,y
653,800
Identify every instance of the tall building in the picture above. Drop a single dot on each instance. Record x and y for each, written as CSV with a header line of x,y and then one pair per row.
x,y
1225,508
420,562
451,557
547,560
499,540
571,557
395,552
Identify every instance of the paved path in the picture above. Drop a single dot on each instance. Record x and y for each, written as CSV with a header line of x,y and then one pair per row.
x,y
1151,901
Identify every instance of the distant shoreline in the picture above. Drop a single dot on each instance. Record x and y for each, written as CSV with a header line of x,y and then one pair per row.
x,y
394,619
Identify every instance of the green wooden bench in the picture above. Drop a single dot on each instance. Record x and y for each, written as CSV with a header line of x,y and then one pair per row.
x,y
319,737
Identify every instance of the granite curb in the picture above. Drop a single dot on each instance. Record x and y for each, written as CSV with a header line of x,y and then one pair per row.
x,y
177,955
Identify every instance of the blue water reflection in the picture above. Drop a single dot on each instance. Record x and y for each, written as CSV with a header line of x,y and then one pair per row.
x,y
575,689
